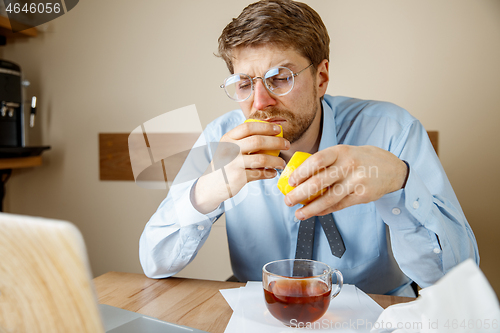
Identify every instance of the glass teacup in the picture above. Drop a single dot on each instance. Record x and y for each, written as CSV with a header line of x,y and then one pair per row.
x,y
299,290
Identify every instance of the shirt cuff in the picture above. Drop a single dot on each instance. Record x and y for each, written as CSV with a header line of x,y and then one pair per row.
x,y
187,214
407,208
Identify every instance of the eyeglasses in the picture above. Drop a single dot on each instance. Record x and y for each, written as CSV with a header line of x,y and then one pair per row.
x,y
278,81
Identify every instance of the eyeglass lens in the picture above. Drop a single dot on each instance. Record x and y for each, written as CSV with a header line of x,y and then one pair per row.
x,y
277,80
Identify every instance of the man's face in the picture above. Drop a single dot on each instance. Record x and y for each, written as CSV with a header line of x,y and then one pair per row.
x,y
295,111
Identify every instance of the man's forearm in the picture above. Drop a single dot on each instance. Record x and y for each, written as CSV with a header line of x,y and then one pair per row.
x,y
210,191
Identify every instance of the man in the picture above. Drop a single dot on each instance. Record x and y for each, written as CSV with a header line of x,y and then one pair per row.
x,y
389,212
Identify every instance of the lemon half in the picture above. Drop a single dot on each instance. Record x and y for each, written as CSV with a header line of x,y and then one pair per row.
x,y
268,152
297,159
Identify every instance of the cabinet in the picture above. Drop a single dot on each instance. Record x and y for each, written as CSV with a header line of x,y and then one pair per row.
x,y
5,30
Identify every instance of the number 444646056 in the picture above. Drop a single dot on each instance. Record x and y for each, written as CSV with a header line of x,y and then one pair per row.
x,y
34,8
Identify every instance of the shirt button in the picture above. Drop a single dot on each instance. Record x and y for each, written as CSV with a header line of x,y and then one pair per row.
x,y
437,251
201,228
396,211
296,220
416,205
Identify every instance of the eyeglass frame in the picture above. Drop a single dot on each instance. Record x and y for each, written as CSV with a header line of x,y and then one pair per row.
x,y
263,81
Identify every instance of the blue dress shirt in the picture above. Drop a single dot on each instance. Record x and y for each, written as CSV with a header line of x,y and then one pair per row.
x,y
414,234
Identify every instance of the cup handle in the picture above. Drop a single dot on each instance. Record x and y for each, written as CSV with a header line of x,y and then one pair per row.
x,y
340,282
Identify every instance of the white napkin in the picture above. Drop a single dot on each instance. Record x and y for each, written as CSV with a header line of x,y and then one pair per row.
x,y
462,301
351,311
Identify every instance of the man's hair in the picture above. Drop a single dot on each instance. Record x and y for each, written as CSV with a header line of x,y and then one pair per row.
x,y
282,23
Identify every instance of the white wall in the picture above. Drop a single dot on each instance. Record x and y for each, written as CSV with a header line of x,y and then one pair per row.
x,y
108,66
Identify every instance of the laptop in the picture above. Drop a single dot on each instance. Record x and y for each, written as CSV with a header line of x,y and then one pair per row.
x,y
46,284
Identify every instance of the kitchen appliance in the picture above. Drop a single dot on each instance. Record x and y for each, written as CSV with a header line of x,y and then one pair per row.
x,y
17,117
17,121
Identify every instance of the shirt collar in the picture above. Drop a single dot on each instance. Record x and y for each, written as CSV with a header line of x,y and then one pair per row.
x,y
329,130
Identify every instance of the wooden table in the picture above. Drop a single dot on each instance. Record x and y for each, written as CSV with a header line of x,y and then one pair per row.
x,y
190,302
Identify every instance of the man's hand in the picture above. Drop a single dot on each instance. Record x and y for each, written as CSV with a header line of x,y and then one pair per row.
x,y
253,138
352,175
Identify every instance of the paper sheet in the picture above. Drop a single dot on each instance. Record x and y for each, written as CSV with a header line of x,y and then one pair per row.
x,y
351,311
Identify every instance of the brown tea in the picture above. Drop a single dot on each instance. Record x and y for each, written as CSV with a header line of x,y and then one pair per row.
x,y
299,300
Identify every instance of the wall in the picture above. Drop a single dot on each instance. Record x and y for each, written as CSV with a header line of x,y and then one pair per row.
x,y
108,66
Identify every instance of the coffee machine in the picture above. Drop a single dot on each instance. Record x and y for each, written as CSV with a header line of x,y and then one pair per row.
x,y
10,105
17,117
17,120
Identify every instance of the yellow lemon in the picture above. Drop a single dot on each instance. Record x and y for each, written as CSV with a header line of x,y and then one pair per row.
x,y
297,159
269,152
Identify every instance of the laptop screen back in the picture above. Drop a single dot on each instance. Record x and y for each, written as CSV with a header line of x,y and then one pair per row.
x,y
45,280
